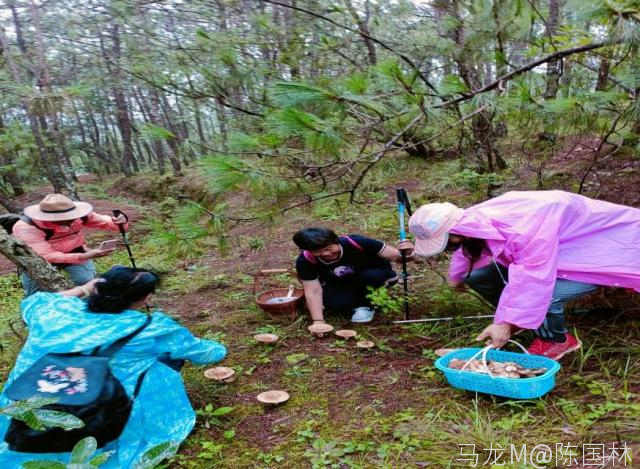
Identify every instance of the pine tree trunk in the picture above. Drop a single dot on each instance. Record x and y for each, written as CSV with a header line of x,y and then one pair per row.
x,y
122,111
172,141
44,274
363,28
482,123
603,74
48,160
153,110
9,205
58,152
222,123
7,159
553,67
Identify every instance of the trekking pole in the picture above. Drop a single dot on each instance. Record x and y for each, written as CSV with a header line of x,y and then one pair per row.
x,y
403,203
117,213
451,318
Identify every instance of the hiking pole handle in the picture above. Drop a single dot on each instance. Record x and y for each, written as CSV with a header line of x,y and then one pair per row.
x,y
403,198
117,213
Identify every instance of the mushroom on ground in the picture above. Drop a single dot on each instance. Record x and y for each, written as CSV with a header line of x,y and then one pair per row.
x,y
365,344
273,397
320,329
221,374
345,334
266,338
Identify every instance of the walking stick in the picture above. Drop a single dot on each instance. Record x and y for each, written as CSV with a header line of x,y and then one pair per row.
x,y
404,204
117,213
451,318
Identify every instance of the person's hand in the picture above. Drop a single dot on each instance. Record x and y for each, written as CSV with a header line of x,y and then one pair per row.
x,y
319,321
93,253
458,286
120,219
407,247
90,286
499,334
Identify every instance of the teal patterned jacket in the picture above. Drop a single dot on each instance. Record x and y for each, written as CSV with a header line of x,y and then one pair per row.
x,y
162,411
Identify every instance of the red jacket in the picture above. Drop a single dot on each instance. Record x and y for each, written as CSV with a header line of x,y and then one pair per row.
x,y
57,249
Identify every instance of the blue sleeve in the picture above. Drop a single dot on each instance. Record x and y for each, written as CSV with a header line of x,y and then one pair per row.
x,y
182,345
31,304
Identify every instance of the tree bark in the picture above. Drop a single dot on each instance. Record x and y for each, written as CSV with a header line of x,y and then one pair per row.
x,y
482,123
553,66
363,29
603,74
48,160
172,140
44,274
59,151
7,159
9,205
129,164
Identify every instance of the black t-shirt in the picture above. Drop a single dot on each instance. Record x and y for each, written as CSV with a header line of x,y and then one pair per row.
x,y
353,260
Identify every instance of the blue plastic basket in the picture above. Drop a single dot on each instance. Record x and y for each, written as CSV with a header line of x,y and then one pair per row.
x,y
516,388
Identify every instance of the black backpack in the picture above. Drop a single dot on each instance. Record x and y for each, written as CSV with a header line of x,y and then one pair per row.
x,y
8,220
85,387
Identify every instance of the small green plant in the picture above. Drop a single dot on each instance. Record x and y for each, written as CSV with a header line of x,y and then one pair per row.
x,y
81,457
217,335
212,418
269,458
257,244
296,358
267,329
211,451
474,181
385,300
29,411
155,455
325,453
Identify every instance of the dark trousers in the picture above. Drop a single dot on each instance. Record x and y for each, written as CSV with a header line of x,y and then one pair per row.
x,y
488,283
350,292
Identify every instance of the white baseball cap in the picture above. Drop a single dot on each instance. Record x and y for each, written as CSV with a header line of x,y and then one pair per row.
x,y
431,224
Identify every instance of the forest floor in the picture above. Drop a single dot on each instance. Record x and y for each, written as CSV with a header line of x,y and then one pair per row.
x,y
388,407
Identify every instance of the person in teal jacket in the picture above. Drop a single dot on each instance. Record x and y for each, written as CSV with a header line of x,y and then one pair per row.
x,y
63,322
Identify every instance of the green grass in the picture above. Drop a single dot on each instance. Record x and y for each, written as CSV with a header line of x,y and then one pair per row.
x,y
11,325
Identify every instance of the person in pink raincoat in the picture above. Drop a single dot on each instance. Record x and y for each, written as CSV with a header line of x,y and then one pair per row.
x,y
529,253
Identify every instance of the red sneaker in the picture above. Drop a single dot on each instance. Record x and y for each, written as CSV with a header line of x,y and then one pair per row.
x,y
554,350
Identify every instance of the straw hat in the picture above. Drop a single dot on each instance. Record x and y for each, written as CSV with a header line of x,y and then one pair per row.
x,y
58,207
431,224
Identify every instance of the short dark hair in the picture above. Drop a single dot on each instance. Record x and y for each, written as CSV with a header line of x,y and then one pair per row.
x,y
120,287
313,239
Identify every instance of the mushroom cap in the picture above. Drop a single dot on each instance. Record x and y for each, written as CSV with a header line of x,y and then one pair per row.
x,y
365,344
320,328
441,352
273,397
345,333
219,373
266,338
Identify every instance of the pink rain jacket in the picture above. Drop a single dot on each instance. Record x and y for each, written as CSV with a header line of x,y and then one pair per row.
x,y
544,235
56,249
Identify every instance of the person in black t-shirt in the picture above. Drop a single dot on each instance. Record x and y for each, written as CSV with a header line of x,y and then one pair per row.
x,y
336,271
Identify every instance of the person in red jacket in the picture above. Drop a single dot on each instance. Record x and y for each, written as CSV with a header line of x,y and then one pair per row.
x,y
54,229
